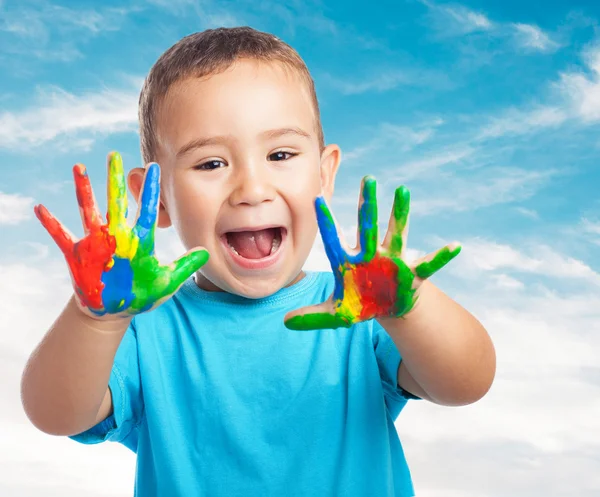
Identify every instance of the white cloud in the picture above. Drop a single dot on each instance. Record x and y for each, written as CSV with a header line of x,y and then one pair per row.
x,y
451,19
407,137
39,251
58,114
468,19
420,168
530,213
505,281
176,4
575,98
15,208
208,12
24,287
590,230
39,21
400,137
483,256
590,226
378,82
518,122
582,89
454,19
382,79
54,186
484,188
48,32
533,38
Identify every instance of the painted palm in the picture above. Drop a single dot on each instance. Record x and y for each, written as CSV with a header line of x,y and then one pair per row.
x,y
373,280
113,267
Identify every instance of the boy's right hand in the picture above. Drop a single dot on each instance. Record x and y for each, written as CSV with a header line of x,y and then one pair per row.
x,y
113,268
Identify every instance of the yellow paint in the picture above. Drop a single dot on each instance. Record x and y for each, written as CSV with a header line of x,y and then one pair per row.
x,y
350,305
126,241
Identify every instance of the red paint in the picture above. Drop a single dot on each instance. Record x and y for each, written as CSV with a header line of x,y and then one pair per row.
x,y
85,198
377,285
87,259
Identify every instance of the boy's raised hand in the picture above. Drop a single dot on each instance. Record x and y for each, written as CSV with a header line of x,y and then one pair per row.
x,y
113,267
374,280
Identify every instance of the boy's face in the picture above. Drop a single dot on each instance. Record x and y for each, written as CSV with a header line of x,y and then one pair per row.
x,y
241,167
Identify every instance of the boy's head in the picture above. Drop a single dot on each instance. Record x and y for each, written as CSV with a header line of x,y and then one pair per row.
x,y
231,116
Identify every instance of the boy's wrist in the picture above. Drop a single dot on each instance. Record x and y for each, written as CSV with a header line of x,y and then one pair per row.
x,y
115,324
414,314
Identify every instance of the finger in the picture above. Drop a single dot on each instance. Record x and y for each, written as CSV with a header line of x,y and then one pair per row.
x,y
57,231
397,232
148,208
88,208
368,232
315,317
432,263
329,233
185,266
117,193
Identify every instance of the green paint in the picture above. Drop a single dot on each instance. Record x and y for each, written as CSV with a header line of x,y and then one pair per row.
x,y
442,257
405,294
117,191
327,213
367,219
316,321
400,211
367,264
153,282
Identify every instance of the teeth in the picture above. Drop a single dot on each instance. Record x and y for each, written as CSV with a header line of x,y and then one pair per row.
x,y
232,247
276,244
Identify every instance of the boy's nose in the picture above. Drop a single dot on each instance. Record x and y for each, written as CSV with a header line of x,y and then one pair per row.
x,y
252,187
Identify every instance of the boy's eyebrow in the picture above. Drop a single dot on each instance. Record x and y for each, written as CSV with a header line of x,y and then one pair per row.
x,y
215,140
276,133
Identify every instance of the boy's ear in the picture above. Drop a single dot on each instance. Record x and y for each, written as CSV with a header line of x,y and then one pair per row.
x,y
330,162
135,180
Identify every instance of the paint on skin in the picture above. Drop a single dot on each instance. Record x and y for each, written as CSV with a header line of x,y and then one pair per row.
x,y
113,267
374,282
367,220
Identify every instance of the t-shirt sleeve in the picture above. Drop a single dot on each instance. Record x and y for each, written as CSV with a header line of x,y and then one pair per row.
x,y
125,387
388,361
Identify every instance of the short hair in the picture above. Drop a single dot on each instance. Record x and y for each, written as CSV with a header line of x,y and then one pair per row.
x,y
209,52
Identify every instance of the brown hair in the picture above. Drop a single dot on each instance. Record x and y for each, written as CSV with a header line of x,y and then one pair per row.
x,y
209,52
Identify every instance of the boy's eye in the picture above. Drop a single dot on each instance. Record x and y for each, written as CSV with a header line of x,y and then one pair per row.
x,y
210,165
281,155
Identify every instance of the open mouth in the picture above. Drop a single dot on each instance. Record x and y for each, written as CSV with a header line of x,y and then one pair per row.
x,y
255,245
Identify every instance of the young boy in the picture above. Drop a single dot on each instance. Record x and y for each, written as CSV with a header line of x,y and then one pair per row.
x,y
206,384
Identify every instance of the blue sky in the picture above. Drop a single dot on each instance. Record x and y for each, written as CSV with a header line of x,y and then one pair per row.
x,y
489,111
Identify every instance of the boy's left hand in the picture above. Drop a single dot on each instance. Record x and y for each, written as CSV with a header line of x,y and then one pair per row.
x,y
373,280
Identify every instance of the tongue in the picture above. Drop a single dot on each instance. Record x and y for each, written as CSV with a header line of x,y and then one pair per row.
x,y
252,244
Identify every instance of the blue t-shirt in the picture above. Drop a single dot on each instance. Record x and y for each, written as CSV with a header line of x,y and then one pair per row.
x,y
218,398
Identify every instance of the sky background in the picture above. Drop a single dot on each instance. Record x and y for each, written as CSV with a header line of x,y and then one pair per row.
x,y
489,112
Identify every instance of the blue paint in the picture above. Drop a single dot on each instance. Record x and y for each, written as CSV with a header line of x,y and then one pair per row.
x,y
117,294
331,241
148,209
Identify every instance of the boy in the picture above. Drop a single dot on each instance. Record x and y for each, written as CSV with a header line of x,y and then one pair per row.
x,y
206,384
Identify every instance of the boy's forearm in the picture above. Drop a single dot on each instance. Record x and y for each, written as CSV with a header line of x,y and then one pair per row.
x,y
65,381
447,355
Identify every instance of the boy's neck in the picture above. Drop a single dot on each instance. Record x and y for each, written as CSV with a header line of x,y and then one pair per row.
x,y
207,285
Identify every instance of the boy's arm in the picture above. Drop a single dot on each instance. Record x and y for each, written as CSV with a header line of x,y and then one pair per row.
x,y
64,388
447,355
116,275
